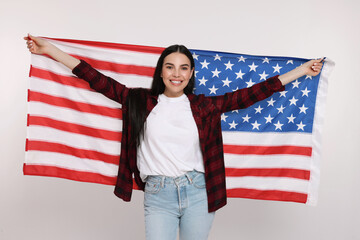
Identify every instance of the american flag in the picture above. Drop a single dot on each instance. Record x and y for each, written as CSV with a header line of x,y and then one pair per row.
x,y
272,149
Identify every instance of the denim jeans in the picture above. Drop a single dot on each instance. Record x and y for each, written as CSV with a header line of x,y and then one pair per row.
x,y
173,204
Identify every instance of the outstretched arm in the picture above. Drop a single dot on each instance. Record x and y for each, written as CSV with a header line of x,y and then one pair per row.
x,y
246,97
38,45
312,68
97,81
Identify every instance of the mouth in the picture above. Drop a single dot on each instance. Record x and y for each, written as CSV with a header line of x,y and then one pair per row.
x,y
176,82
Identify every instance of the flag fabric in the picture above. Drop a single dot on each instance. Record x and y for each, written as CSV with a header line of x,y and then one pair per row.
x,y
272,149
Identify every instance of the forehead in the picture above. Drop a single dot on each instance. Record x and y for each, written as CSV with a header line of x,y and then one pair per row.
x,y
177,58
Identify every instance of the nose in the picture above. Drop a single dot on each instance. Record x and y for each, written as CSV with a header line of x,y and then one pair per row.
x,y
176,72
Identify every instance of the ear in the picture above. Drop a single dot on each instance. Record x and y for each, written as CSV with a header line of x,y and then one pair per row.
x,y
192,71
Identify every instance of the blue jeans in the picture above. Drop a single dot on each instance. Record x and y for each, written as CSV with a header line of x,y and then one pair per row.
x,y
171,203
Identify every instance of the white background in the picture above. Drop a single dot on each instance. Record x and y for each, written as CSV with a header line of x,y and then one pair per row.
x,y
49,208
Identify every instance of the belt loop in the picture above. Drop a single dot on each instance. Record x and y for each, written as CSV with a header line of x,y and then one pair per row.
x,y
162,181
188,177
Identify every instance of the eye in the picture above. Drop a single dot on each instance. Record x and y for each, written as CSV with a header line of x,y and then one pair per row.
x,y
168,67
185,68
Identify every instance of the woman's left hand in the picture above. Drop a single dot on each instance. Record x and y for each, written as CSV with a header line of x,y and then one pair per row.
x,y
312,67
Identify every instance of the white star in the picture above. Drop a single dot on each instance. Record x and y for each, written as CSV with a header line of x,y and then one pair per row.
x,y
196,73
203,81
223,117
228,65
213,89
290,61
303,109
195,56
305,92
241,59
255,125
277,68
216,73
246,118
217,57
291,118
263,76
233,125
278,125
239,74
283,93
301,126
308,76
295,84
293,101
237,111
253,67
249,83
269,119
258,109
266,60
226,82
204,64
237,88
281,109
271,102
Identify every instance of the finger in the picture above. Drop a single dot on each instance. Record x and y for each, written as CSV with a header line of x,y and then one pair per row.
x,y
320,60
316,66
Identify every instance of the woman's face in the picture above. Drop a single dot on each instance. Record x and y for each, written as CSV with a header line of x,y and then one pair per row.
x,y
176,72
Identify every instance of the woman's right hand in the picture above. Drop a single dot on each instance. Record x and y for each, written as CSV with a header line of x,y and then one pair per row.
x,y
37,45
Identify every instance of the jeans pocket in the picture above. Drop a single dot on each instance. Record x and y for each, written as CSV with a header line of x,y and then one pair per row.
x,y
152,187
199,181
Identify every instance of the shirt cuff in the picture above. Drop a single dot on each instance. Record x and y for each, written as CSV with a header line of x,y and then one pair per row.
x,y
81,69
275,84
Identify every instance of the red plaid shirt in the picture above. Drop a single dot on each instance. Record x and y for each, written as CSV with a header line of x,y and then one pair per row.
x,y
207,114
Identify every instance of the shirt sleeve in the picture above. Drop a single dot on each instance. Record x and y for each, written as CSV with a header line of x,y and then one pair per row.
x,y
101,83
246,97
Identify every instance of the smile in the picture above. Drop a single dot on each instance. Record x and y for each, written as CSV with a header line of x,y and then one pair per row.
x,y
177,82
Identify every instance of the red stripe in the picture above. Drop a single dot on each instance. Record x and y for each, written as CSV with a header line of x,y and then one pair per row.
x,y
268,150
75,128
51,171
128,47
78,106
76,152
268,172
267,195
117,67
65,80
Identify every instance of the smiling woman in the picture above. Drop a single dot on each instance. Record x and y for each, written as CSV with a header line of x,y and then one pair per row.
x,y
171,141
176,73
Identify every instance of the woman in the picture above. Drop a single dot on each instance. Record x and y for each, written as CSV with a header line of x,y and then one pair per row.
x,y
171,139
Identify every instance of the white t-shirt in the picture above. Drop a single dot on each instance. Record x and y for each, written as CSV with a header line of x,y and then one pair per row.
x,y
171,144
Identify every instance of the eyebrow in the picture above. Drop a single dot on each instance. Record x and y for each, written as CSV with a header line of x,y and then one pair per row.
x,y
180,65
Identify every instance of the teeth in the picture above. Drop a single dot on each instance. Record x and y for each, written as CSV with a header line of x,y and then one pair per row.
x,y
175,81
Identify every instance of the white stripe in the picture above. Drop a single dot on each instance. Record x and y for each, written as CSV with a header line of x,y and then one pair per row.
x,y
71,162
267,161
74,140
72,116
106,54
267,139
268,183
128,80
71,93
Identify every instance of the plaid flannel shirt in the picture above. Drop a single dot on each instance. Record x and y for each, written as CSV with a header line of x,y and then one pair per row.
x,y
207,114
